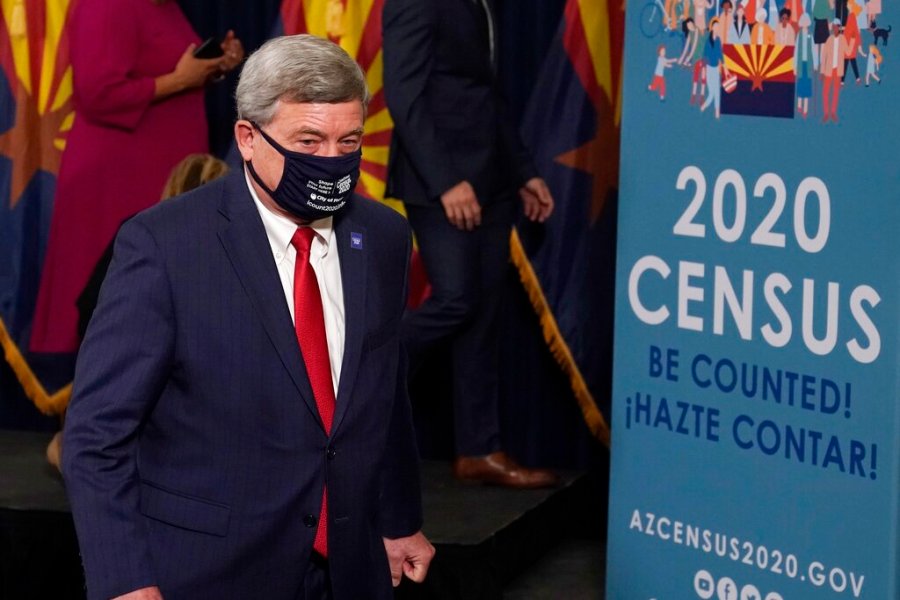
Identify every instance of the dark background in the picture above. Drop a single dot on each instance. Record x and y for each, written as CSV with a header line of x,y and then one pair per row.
x,y
541,420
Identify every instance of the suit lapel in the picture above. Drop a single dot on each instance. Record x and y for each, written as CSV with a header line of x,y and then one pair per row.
x,y
244,238
482,21
353,258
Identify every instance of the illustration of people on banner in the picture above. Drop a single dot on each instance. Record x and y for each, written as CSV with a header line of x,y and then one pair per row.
x,y
767,58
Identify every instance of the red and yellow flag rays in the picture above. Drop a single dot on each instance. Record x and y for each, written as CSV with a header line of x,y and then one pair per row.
x,y
356,26
760,63
592,38
34,57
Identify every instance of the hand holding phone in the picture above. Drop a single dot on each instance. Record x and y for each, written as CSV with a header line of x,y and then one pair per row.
x,y
190,72
210,48
193,71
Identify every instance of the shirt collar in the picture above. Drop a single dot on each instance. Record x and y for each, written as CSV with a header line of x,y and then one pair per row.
x,y
280,229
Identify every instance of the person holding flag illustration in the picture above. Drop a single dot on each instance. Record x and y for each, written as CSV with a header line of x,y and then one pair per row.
x,y
761,34
785,35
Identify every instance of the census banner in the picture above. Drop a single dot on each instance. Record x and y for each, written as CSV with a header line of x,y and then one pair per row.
x,y
756,414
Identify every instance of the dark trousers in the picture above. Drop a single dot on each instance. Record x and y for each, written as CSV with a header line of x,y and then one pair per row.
x,y
317,580
467,272
850,62
841,11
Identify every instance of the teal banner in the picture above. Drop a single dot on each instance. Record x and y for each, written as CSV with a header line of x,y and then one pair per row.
x,y
755,420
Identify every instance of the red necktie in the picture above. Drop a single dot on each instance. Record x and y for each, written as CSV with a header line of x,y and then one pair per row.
x,y
309,323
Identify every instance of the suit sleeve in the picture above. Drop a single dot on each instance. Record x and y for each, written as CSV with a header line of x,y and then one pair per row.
x,y
513,148
121,370
108,43
401,494
408,45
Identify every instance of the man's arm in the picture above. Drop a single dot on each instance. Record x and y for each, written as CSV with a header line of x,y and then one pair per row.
x,y
401,495
513,149
408,31
121,371
536,198
401,490
533,191
409,552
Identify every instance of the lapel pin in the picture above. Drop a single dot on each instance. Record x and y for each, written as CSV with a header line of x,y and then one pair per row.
x,y
356,240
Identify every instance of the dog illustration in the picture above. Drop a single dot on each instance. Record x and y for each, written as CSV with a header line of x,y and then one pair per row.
x,y
880,32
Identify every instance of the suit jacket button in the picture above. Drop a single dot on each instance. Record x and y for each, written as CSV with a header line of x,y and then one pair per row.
x,y
309,520
330,453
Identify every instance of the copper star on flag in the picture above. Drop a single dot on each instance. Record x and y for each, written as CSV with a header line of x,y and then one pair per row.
x,y
35,61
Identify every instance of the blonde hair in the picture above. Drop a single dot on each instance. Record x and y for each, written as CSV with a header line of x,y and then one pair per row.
x,y
874,50
193,171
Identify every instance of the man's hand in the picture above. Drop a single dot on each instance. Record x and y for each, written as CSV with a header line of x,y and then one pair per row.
x,y
537,199
461,206
409,556
149,593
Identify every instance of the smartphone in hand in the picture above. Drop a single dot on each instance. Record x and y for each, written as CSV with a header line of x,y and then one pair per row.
x,y
210,48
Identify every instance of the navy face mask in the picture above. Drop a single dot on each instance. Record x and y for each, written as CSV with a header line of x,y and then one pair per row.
x,y
311,187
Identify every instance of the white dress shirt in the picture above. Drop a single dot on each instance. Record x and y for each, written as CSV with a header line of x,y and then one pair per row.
x,y
323,256
836,51
490,22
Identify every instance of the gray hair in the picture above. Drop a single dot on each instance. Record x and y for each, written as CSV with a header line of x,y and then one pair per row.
x,y
297,68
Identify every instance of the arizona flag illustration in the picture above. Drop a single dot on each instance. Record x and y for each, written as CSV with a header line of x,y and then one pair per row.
x,y
765,80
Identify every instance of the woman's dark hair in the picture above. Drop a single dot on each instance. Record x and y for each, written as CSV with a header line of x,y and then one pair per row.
x,y
684,25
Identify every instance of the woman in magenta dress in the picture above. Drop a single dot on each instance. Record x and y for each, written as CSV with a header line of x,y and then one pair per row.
x,y
139,106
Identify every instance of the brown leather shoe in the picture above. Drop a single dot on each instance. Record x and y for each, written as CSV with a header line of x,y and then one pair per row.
x,y
499,469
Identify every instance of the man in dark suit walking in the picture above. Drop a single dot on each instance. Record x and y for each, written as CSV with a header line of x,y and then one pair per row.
x,y
457,164
239,426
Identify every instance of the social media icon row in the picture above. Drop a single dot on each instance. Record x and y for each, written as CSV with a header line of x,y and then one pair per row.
x,y
726,589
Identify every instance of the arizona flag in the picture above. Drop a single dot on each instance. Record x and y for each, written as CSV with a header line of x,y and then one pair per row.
x,y
355,25
765,80
568,264
35,115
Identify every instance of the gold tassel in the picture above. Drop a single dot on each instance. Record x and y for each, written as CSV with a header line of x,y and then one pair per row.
x,y
47,404
592,416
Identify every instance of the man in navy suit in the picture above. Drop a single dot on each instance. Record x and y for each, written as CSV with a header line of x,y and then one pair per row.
x,y
240,426
457,164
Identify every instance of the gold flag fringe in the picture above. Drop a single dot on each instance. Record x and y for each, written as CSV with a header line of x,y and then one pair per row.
x,y
558,346
48,404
